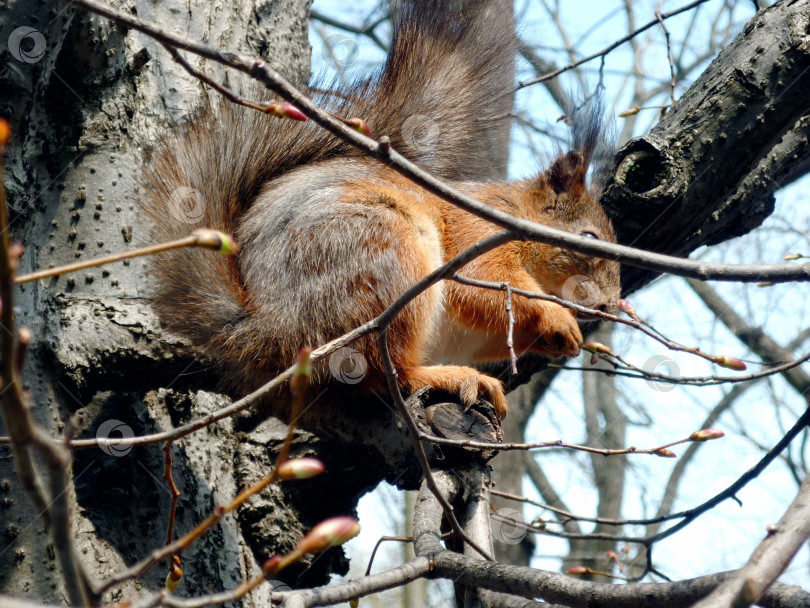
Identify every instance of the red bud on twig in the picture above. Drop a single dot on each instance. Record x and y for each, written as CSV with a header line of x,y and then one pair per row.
x,y
24,338
300,468
271,565
627,306
731,363
285,110
596,347
706,435
174,577
220,242
358,124
630,112
329,533
302,372
15,252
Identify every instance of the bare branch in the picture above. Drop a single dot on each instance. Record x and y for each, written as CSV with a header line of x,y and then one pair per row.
x,y
769,559
611,47
558,588
521,228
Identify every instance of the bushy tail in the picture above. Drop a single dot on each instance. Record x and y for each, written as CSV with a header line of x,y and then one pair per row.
x,y
443,97
445,93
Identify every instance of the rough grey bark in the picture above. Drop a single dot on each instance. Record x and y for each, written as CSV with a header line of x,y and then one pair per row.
x,y
707,172
81,115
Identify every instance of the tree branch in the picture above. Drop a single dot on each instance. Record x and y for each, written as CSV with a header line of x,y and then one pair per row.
x,y
753,337
558,588
769,559
382,151
680,187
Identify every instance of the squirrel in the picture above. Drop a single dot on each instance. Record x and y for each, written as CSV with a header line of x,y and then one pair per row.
x,y
330,238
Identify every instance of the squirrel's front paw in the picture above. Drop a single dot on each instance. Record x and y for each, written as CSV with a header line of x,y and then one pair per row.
x,y
560,335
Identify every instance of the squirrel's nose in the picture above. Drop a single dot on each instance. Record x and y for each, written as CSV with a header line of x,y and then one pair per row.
x,y
607,305
610,307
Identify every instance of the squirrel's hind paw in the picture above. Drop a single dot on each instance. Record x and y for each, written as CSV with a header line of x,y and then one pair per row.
x,y
468,383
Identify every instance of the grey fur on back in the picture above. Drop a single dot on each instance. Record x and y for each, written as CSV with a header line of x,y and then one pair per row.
x,y
443,97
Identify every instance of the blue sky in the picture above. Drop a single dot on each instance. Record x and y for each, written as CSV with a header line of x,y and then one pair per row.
x,y
724,537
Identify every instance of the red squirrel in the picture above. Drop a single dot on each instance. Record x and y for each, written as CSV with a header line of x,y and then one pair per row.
x,y
330,238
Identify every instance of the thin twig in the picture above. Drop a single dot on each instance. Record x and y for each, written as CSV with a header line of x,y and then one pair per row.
x,y
670,58
393,388
261,71
635,322
367,30
174,559
558,443
193,240
378,544
510,344
610,47
690,380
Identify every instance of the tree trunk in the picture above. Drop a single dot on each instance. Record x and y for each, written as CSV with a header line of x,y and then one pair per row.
x,y
82,114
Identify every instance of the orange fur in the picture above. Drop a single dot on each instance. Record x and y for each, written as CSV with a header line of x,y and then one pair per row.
x,y
330,239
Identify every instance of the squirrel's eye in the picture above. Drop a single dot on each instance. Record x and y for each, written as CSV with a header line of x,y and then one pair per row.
x,y
588,235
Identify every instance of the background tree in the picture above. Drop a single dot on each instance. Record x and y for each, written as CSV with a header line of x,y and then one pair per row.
x,y
640,76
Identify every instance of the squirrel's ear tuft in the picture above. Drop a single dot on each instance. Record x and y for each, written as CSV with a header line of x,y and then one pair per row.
x,y
567,173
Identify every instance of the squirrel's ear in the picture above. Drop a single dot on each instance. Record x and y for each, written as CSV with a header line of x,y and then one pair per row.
x,y
567,173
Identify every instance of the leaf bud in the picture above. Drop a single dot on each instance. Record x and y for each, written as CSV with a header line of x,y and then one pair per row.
x,y
329,533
